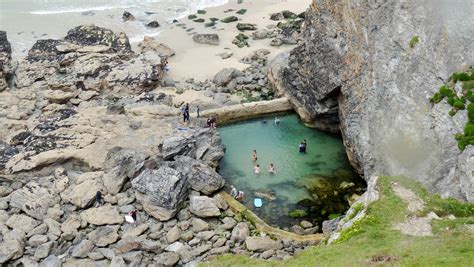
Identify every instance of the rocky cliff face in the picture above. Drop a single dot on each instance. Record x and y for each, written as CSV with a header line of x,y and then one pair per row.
x,y
357,69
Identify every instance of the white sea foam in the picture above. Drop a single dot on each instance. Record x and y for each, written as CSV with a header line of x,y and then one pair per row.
x,y
77,10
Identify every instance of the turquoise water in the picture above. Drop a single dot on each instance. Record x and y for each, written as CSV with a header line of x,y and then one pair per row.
x,y
278,144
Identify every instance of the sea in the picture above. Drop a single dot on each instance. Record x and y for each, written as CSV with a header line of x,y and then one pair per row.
x,y
27,21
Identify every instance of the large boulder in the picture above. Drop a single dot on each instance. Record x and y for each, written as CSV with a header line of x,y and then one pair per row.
x,y
89,58
161,191
210,39
240,232
224,76
102,215
202,178
372,78
91,35
262,243
204,145
121,164
203,206
34,200
151,44
83,194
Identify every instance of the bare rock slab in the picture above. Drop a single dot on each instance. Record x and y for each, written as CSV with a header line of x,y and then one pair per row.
x,y
210,39
104,215
203,206
261,244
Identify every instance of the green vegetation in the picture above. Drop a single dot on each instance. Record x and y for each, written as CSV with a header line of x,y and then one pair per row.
x,y
297,213
372,239
414,40
460,102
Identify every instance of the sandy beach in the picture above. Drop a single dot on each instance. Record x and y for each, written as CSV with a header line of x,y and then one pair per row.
x,y
201,61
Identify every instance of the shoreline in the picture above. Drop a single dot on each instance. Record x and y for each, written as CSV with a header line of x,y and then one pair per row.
x,y
201,61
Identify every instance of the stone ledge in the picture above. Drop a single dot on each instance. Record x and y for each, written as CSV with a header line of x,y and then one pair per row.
x,y
248,110
262,226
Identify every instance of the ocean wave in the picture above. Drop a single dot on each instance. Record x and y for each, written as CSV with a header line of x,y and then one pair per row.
x,y
77,10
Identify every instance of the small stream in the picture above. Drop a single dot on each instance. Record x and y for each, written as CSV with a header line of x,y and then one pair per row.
x,y
312,186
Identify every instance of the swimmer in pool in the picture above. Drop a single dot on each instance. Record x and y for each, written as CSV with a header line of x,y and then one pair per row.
x,y
271,169
254,155
257,169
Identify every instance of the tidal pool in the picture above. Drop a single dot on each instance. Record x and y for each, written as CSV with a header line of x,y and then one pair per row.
x,y
312,186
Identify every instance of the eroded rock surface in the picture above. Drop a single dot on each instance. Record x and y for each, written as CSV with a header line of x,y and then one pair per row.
x,y
355,69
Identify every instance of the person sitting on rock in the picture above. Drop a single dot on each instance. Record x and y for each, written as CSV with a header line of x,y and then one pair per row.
x,y
99,199
240,196
211,122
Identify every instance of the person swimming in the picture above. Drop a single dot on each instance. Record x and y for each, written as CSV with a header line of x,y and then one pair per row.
x,y
254,155
277,121
256,169
271,169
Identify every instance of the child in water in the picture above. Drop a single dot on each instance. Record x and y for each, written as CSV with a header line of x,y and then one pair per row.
x,y
271,169
254,155
257,169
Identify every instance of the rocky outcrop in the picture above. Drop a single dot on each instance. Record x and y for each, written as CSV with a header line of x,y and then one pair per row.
x,y
357,70
203,145
5,60
151,44
161,191
88,58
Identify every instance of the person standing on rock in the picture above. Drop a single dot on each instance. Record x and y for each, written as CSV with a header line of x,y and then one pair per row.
x,y
197,111
99,199
186,112
233,191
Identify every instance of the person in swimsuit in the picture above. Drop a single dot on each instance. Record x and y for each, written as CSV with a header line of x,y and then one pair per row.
x,y
257,169
271,169
240,196
254,155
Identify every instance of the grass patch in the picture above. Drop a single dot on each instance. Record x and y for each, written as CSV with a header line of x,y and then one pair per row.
x,y
461,102
373,237
414,40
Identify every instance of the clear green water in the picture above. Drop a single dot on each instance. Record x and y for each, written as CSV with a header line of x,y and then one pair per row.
x,y
278,144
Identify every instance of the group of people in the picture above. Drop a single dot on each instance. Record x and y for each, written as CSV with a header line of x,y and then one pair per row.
x,y
131,217
256,169
238,195
211,121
